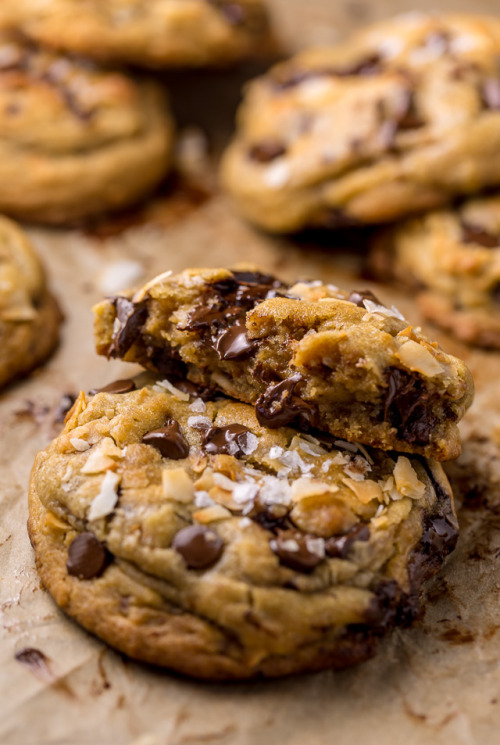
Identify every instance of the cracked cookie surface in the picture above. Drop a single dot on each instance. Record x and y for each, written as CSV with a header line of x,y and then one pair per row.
x,y
29,314
186,534
154,33
452,258
398,119
75,139
306,354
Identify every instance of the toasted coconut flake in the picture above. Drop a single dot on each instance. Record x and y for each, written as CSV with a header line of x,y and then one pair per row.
x,y
105,501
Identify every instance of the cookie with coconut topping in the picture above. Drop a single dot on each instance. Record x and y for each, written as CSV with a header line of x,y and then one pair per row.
x,y
398,119
76,139
452,259
156,33
29,314
186,534
305,354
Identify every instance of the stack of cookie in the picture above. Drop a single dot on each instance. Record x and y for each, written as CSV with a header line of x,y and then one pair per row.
x,y
402,118
266,498
78,138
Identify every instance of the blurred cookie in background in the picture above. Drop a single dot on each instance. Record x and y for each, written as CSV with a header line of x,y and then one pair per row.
x,y
452,258
398,119
157,33
76,139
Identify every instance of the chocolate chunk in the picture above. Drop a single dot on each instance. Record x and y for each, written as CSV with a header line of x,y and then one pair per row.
x,y
359,296
131,317
234,343
266,151
472,233
169,441
490,93
117,386
408,407
291,548
271,517
231,440
440,534
86,557
337,547
370,65
65,404
495,292
200,547
278,406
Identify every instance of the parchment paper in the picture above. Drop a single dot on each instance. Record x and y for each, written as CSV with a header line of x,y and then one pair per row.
x,y
438,682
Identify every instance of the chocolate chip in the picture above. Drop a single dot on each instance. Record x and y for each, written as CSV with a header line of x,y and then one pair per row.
x,y
408,407
266,151
472,233
131,317
440,534
278,406
337,547
271,517
292,550
490,93
359,296
169,441
65,404
234,343
86,557
200,547
117,386
231,440
370,65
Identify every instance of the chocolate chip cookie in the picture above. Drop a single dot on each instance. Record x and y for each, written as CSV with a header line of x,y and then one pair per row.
x,y
29,315
186,534
75,139
305,354
398,119
452,259
154,33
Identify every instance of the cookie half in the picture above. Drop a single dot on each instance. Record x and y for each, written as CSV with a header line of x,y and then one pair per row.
x,y
452,259
306,354
75,139
187,535
157,33
29,314
396,120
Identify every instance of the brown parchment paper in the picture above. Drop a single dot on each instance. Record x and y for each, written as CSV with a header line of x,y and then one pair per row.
x,y
438,682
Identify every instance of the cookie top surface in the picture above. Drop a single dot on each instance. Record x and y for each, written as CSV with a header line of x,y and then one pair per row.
x,y
453,257
308,354
397,119
156,33
276,539
72,135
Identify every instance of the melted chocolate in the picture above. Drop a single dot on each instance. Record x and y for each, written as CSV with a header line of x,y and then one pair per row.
x,y
200,547
234,343
408,407
231,440
338,547
266,151
131,317
291,548
117,386
87,557
472,233
169,441
278,406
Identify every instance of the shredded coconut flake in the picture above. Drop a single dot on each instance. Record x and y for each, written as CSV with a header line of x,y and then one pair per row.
x,y
203,499
105,502
392,312
199,422
351,446
275,452
178,394
198,406
223,482
80,445
243,493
